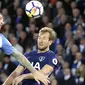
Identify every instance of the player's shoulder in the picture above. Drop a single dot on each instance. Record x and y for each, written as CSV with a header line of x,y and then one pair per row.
x,y
33,52
51,53
53,58
30,53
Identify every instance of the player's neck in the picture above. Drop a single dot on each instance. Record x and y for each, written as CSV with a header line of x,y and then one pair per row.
x,y
42,51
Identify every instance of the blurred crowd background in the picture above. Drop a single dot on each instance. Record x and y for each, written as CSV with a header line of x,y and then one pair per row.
x,y
66,17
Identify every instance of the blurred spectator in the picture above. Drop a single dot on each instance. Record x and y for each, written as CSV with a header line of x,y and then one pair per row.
x,y
80,23
68,47
60,50
14,42
79,34
7,30
53,47
76,14
35,37
32,28
60,74
3,77
76,63
71,56
23,40
81,75
73,5
68,38
68,27
65,65
8,66
28,49
50,24
67,7
81,6
7,18
20,18
13,7
68,79
61,60
19,28
56,20
45,20
58,5
82,44
60,27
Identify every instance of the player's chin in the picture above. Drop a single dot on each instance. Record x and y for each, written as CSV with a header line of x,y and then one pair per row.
x,y
41,48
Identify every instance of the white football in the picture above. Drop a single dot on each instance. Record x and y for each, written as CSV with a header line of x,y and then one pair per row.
x,y
34,9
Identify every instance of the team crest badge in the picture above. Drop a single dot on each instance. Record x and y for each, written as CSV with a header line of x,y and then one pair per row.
x,y
41,58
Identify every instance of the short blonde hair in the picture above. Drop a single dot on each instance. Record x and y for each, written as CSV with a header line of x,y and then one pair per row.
x,y
51,32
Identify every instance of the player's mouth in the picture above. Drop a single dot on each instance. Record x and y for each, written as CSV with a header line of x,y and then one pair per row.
x,y
41,44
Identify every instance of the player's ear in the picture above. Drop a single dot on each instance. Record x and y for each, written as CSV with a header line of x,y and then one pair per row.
x,y
50,42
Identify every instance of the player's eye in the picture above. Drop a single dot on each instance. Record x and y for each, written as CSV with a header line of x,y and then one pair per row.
x,y
44,38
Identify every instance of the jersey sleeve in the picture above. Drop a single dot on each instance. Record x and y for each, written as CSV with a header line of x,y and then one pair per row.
x,y
52,61
7,46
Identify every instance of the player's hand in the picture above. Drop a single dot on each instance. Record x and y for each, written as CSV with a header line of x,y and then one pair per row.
x,y
40,77
17,80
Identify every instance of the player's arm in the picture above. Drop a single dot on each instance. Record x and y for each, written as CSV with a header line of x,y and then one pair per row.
x,y
46,70
13,75
36,75
10,50
23,60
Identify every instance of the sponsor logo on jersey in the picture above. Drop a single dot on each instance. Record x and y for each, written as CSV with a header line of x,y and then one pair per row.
x,y
36,65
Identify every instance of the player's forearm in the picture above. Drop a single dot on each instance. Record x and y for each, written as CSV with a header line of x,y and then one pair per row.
x,y
27,76
9,80
23,60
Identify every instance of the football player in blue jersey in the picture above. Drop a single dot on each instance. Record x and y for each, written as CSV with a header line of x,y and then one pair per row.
x,y
8,49
42,59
